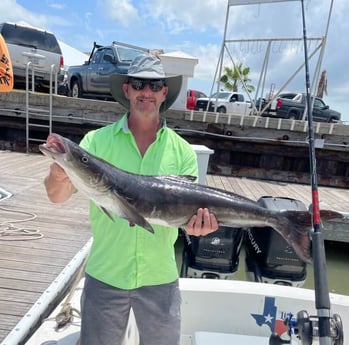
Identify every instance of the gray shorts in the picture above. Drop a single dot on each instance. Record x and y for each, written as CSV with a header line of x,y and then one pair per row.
x,y
105,311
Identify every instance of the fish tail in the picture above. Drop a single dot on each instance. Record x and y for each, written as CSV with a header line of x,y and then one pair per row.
x,y
328,214
295,228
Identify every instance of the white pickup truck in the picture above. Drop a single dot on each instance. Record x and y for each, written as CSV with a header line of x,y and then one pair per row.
x,y
224,102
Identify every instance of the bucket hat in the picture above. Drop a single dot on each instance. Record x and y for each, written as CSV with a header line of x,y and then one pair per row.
x,y
146,67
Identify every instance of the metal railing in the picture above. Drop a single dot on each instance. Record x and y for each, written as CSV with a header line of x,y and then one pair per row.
x,y
47,113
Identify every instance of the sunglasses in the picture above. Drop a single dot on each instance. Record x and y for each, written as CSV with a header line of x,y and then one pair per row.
x,y
154,84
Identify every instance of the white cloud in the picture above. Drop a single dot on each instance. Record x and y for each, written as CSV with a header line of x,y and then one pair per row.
x,y
13,12
57,6
121,11
181,15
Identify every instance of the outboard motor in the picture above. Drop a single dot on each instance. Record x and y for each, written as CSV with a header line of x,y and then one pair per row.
x,y
269,258
215,256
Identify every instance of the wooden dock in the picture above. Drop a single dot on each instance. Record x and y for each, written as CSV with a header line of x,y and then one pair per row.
x,y
244,145
334,198
38,238
331,198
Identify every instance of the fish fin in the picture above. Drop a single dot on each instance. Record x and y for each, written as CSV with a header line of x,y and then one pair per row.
x,y
104,210
296,231
328,214
181,178
130,213
299,226
188,178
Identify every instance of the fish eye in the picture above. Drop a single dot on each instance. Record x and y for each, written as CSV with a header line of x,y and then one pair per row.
x,y
84,159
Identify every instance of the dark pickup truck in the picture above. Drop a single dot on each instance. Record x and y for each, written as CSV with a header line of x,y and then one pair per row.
x,y
294,109
91,80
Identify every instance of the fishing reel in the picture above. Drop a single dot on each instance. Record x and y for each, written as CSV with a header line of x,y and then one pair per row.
x,y
306,328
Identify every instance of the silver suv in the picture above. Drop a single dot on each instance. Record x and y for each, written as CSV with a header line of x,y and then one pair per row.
x,y
41,48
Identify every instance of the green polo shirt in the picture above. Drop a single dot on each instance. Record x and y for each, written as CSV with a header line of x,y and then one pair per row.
x,y
129,257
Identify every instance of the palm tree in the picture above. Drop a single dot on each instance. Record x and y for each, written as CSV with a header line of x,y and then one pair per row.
x,y
322,86
233,77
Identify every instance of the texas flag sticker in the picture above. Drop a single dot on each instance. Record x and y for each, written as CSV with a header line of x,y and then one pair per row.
x,y
271,318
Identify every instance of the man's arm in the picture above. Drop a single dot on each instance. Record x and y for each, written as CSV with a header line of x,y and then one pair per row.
x,y
58,186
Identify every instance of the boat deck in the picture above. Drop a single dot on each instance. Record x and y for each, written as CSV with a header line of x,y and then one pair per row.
x,y
38,239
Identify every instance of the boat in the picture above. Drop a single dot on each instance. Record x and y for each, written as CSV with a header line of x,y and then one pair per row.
x,y
216,311
271,307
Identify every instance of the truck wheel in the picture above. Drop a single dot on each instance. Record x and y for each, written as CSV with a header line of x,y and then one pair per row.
x,y
221,110
293,116
332,119
76,91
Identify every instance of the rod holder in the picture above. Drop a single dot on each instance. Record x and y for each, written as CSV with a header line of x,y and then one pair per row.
x,y
306,328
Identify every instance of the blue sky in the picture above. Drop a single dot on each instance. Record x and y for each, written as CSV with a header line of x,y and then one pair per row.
x,y
196,28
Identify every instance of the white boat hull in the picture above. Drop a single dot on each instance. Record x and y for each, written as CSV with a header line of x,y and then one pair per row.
x,y
217,312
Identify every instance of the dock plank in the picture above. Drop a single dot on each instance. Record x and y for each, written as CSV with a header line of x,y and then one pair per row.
x,y
331,198
28,265
336,198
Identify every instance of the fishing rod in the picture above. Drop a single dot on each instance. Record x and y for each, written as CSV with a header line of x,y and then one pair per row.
x,y
322,298
328,328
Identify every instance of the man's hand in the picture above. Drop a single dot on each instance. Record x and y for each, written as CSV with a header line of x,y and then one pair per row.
x,y
59,188
58,173
202,223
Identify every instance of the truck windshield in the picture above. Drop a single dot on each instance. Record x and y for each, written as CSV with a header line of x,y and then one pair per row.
x,y
128,54
221,95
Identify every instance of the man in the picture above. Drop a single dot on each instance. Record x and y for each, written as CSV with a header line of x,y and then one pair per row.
x,y
128,266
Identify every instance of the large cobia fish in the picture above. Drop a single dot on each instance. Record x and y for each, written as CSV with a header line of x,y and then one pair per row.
x,y
171,200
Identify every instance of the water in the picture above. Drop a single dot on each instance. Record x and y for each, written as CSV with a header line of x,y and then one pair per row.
x,y
337,257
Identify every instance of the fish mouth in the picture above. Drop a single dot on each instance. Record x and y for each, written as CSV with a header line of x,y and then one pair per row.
x,y
54,146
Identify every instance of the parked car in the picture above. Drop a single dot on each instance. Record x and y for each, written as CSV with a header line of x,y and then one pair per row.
x,y
294,109
224,102
271,110
40,47
192,97
92,79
